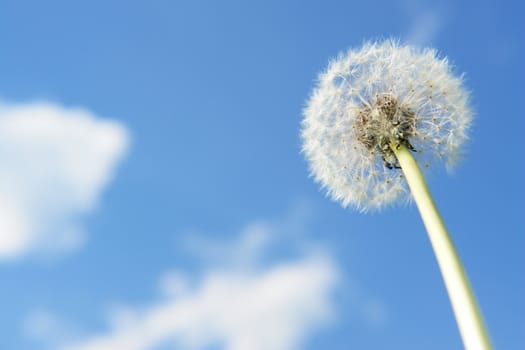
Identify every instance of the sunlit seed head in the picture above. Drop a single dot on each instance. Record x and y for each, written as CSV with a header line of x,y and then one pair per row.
x,y
368,98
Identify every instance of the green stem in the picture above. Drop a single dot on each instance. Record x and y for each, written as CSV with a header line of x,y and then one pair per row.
x,y
468,316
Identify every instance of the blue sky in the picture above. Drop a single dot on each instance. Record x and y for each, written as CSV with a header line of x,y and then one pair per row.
x,y
152,193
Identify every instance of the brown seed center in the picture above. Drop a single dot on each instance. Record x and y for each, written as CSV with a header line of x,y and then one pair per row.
x,y
385,122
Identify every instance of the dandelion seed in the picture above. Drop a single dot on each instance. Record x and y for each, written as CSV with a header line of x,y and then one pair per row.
x,y
368,98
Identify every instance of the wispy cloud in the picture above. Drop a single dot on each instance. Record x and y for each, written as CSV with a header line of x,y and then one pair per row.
x,y
426,20
424,28
238,304
54,164
43,326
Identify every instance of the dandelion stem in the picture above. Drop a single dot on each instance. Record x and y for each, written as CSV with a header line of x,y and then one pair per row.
x,y
468,316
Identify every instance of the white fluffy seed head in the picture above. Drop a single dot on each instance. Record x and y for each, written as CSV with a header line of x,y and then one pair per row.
x,y
379,94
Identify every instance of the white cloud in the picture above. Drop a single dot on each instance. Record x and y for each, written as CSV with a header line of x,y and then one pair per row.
x,y
54,164
272,310
271,287
238,305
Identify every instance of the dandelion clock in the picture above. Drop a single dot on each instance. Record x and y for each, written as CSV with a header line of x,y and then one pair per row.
x,y
377,115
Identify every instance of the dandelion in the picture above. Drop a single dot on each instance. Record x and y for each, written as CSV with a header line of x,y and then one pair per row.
x,y
371,97
377,113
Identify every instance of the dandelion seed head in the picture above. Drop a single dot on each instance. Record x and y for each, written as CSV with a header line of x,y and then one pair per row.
x,y
368,98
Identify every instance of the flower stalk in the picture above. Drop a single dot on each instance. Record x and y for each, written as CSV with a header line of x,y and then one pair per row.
x,y
466,311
